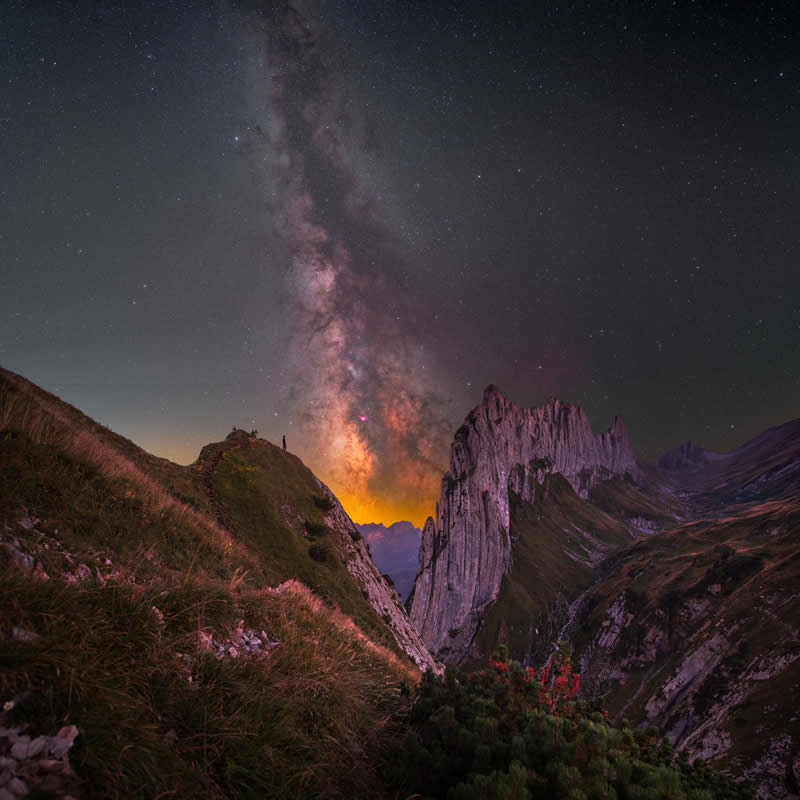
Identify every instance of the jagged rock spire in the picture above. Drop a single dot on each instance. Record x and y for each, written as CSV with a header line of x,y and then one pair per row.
x,y
466,550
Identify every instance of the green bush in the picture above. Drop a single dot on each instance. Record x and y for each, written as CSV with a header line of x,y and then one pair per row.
x,y
319,552
508,733
316,529
323,503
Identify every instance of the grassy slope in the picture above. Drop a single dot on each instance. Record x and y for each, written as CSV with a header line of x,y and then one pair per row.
x,y
551,565
106,494
624,500
48,420
314,719
296,724
268,497
95,517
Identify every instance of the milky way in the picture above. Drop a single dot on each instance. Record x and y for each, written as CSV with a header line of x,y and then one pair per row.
x,y
339,220
362,385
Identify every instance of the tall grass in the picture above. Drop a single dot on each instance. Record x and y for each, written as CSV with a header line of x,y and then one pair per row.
x,y
47,421
317,717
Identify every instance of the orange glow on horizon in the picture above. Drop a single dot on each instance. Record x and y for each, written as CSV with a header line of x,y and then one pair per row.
x,y
364,510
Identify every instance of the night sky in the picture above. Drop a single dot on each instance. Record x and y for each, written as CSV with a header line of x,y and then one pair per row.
x,y
342,220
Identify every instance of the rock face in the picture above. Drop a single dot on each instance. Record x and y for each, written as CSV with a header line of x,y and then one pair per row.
x,y
696,630
466,550
380,594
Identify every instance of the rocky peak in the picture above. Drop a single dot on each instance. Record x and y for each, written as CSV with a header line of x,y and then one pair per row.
x,y
466,549
687,456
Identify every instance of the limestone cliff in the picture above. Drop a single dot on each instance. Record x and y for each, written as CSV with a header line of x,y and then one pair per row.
x,y
466,550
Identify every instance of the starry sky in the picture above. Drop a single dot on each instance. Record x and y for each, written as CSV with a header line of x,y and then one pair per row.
x,y
340,220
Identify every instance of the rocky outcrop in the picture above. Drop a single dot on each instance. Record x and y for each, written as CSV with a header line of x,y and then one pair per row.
x,y
380,594
239,642
466,549
695,690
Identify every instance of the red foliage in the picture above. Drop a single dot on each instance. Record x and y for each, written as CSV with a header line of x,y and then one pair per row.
x,y
566,683
545,675
553,694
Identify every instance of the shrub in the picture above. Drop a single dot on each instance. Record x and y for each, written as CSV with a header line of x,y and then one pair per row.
x,y
319,552
323,503
511,731
316,529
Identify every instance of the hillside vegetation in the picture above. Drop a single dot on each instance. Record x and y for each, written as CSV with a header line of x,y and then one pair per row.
x,y
513,733
196,624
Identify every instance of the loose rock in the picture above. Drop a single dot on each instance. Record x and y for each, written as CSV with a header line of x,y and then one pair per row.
x,y
37,764
241,642
22,635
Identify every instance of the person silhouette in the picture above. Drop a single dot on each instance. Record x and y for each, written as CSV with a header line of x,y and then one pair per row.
x,y
284,441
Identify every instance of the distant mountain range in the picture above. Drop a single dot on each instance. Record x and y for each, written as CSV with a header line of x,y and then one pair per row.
x,y
395,551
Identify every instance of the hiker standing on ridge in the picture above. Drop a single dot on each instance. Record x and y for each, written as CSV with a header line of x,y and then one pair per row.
x,y
284,441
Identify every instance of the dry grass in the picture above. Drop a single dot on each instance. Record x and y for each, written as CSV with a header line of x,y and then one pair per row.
x,y
49,422
318,717
345,624
139,506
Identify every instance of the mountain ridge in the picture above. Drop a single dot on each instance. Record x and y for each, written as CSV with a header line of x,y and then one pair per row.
x,y
394,549
672,583
171,629
193,493
466,549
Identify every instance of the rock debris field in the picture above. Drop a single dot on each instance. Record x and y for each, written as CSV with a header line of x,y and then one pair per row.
x,y
36,763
